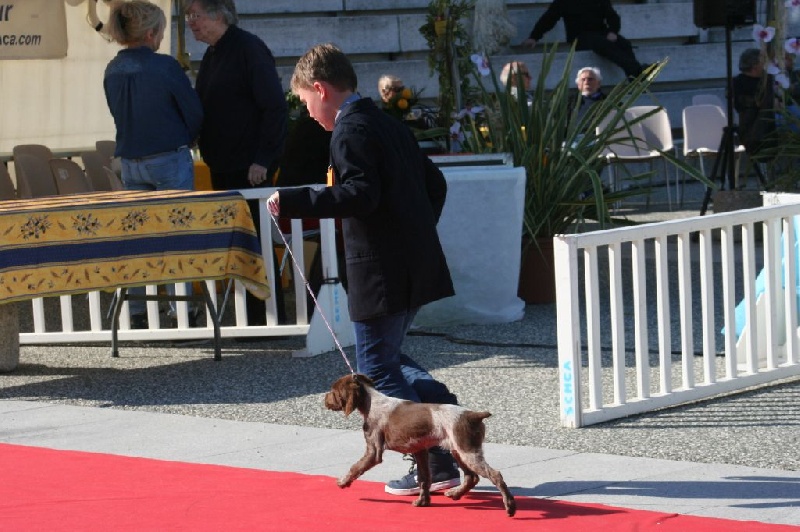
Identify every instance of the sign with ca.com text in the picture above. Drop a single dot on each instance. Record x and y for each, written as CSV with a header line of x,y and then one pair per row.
x,y
32,29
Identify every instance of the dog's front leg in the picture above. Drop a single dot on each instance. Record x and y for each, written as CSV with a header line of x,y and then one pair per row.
x,y
423,478
372,457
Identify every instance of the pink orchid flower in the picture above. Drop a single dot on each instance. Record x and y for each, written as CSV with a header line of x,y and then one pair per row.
x,y
792,3
763,34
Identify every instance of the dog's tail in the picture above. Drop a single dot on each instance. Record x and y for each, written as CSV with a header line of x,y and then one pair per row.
x,y
477,416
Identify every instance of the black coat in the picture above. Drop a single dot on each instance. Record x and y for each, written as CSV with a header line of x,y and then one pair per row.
x,y
245,111
754,100
579,16
389,197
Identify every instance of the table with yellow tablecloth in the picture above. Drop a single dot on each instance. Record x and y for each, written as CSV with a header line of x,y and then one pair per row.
x,y
70,244
62,245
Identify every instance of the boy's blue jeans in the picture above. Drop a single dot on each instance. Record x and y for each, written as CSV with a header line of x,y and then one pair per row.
x,y
379,357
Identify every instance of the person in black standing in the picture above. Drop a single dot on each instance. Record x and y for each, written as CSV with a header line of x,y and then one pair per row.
x,y
245,110
595,25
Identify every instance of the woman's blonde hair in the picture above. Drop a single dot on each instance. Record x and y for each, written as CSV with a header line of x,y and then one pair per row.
x,y
129,22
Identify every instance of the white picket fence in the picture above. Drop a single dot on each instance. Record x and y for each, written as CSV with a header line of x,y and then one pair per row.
x,y
93,309
633,302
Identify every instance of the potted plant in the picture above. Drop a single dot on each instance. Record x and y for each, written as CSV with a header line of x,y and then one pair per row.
x,y
563,158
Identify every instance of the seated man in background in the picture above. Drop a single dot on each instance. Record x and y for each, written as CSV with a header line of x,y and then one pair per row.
x,y
754,100
388,86
588,82
594,25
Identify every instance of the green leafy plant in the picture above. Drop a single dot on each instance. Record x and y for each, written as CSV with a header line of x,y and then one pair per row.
x,y
562,157
781,150
449,44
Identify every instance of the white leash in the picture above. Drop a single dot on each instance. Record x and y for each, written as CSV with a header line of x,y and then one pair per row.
x,y
300,272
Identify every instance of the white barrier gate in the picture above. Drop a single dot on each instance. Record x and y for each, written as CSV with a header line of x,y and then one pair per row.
x,y
649,279
332,301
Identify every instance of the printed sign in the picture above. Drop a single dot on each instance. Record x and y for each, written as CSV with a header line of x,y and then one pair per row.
x,y
32,29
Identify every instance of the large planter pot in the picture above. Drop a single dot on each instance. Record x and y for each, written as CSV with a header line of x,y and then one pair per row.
x,y
733,200
537,279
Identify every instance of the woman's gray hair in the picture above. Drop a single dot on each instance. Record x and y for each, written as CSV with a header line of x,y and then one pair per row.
x,y
225,8
749,59
593,69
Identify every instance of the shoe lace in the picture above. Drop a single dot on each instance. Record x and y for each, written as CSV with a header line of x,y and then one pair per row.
x,y
410,458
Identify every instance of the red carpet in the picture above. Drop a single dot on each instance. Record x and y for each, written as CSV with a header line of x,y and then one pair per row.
x,y
44,489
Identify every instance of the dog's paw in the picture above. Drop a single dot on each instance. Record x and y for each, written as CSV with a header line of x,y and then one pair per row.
x,y
422,501
511,508
344,482
454,493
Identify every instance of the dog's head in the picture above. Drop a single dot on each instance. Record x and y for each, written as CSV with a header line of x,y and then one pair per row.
x,y
349,393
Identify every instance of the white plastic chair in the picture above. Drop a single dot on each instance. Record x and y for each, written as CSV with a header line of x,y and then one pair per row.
x,y
708,99
642,141
703,126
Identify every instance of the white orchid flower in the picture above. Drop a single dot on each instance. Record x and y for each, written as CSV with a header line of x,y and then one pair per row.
x,y
482,63
469,111
456,133
782,79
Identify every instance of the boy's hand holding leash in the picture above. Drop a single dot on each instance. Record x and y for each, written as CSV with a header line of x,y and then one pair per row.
x,y
273,204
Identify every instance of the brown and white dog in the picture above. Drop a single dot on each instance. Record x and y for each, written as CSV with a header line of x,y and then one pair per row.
x,y
408,427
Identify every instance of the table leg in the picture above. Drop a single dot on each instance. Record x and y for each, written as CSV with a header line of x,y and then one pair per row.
x,y
121,295
214,320
9,329
206,297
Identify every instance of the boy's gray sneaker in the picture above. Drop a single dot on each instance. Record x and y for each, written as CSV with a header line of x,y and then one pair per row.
x,y
441,480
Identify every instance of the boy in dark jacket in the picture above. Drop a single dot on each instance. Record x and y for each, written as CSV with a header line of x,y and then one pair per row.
x,y
389,197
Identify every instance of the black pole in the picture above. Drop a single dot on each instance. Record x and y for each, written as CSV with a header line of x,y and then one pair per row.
x,y
724,168
729,163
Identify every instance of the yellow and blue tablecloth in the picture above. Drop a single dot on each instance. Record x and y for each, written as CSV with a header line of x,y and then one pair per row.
x,y
101,241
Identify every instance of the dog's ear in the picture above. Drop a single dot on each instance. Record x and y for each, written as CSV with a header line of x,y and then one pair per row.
x,y
355,395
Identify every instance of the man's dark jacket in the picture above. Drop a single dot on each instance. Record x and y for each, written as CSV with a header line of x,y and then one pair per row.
x,y
389,197
580,16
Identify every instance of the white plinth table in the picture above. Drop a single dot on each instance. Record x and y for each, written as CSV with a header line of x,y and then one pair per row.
x,y
481,232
